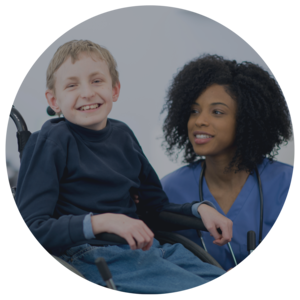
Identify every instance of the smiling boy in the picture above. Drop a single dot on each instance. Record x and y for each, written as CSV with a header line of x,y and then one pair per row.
x,y
84,91
77,175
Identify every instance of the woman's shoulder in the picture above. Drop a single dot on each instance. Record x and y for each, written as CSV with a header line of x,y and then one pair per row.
x,y
275,173
276,167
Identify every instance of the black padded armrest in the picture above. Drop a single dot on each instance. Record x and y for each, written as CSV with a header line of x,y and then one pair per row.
x,y
111,237
165,221
181,222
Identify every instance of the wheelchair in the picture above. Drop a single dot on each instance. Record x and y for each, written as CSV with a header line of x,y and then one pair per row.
x,y
163,225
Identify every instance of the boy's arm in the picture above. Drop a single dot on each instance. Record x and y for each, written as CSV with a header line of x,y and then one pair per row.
x,y
42,167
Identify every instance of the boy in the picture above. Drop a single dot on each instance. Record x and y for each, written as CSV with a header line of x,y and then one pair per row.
x,y
77,176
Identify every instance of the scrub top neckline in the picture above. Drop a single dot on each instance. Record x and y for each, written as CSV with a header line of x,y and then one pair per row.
x,y
242,197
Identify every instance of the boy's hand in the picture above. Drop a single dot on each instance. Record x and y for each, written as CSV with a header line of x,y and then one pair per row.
x,y
135,232
213,220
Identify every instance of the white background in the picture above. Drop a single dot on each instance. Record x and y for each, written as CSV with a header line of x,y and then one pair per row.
x,y
150,44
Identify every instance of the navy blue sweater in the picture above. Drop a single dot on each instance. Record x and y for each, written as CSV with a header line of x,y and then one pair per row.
x,y
68,171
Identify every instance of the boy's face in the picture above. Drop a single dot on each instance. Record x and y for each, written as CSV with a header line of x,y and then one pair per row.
x,y
83,91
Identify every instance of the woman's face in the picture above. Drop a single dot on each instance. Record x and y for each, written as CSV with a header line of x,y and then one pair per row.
x,y
212,123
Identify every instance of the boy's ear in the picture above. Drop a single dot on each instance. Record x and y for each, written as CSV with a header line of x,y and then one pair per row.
x,y
52,101
116,91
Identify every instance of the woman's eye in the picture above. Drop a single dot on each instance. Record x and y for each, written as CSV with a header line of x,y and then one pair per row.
x,y
194,111
217,112
71,85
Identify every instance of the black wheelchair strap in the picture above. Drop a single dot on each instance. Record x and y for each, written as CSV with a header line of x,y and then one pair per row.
x,y
22,137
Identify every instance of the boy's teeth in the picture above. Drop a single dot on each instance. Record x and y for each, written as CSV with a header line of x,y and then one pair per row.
x,y
89,107
202,136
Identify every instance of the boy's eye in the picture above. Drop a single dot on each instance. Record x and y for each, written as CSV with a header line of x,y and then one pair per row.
x,y
71,85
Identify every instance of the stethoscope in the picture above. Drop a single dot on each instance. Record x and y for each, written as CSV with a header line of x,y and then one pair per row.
x,y
251,234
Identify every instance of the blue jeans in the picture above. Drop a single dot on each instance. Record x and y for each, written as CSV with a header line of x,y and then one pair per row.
x,y
162,269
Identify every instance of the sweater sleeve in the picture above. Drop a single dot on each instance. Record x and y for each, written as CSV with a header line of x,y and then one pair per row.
x,y
42,168
153,199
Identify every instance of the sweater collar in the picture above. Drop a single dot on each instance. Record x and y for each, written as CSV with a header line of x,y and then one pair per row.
x,y
91,135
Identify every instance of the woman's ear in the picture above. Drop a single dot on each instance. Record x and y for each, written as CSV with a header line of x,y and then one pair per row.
x,y
52,101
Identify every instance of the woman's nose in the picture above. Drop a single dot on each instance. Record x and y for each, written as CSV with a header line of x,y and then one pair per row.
x,y
202,120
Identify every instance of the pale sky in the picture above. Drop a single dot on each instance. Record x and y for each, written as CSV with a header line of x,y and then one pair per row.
x,y
149,44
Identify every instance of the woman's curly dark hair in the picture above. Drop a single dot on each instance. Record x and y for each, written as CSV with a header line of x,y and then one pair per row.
x,y
263,120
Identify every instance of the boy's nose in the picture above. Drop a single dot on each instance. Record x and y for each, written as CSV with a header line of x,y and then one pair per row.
x,y
87,92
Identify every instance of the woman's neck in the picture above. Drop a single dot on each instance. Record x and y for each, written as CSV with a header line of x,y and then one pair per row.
x,y
216,175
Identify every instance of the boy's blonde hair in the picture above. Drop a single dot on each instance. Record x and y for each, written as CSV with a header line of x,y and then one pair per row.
x,y
73,49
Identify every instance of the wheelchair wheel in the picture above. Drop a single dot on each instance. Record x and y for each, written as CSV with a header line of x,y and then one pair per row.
x,y
173,238
68,266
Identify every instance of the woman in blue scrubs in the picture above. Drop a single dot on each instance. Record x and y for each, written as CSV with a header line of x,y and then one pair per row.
x,y
232,117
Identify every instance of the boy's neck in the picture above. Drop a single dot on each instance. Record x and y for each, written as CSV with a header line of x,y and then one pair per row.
x,y
92,128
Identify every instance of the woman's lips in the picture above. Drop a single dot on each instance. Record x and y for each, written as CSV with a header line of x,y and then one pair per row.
x,y
202,141
202,138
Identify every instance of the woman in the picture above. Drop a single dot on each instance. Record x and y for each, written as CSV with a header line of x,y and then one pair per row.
x,y
230,119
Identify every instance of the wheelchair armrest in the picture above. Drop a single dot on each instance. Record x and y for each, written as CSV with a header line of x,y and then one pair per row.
x,y
167,221
164,221
181,221
111,237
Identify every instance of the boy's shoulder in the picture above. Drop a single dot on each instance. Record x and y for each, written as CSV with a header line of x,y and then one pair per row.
x,y
54,129
121,127
53,126
123,132
53,136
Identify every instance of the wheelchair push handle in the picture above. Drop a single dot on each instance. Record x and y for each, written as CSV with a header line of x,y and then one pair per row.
x,y
22,134
18,119
251,243
105,272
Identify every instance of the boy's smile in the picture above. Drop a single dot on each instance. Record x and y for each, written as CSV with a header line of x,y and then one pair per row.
x,y
84,92
89,107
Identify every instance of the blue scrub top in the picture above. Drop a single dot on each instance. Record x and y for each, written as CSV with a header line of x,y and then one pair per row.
x,y
182,186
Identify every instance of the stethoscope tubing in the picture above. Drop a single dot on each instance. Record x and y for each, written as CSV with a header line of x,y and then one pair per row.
x,y
261,207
